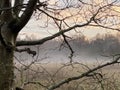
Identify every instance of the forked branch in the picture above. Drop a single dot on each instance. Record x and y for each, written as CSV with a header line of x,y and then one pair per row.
x,y
86,74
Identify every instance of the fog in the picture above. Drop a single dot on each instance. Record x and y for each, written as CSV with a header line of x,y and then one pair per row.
x,y
99,50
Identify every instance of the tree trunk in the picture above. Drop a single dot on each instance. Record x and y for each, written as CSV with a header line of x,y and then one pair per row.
x,y
10,26
6,68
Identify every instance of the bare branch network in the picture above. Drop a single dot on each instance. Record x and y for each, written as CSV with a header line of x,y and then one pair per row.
x,y
98,18
64,16
90,73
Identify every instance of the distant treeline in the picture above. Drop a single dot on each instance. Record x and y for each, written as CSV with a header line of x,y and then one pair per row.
x,y
101,44
107,44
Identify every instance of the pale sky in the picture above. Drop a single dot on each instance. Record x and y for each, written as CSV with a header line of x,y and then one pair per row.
x,y
33,27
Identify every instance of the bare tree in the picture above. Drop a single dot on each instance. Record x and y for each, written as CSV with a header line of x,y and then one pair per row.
x,y
66,15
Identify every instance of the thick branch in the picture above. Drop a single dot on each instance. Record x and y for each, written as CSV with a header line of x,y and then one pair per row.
x,y
28,50
84,74
6,16
41,41
106,27
69,46
1,5
32,82
27,14
17,9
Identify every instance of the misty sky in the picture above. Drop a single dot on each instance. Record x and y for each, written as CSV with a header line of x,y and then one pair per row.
x,y
35,26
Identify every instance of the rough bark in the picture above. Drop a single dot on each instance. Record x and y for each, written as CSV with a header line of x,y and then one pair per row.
x,y
9,29
6,68
6,53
